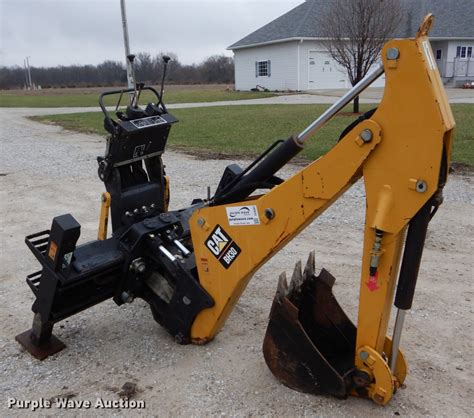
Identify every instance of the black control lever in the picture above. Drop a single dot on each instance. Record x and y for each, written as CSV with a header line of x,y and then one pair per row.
x,y
166,60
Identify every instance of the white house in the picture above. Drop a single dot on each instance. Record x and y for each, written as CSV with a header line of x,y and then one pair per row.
x,y
287,53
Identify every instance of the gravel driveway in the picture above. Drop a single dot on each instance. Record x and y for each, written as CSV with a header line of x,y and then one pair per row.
x,y
46,171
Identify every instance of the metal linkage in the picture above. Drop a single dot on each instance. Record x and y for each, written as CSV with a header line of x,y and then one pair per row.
x,y
340,104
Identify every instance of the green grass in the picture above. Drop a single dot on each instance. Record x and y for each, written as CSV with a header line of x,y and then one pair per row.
x,y
248,130
89,97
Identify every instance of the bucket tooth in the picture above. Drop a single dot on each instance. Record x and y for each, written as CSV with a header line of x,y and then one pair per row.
x,y
296,281
282,289
310,267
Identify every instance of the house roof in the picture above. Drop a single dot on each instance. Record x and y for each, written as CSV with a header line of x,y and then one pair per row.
x,y
453,20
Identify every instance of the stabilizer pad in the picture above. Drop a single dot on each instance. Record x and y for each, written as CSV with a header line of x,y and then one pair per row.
x,y
52,346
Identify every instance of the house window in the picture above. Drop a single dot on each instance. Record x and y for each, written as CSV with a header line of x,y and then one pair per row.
x,y
439,54
464,52
461,51
263,68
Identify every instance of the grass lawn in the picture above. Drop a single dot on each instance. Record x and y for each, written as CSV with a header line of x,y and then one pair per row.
x,y
87,97
248,130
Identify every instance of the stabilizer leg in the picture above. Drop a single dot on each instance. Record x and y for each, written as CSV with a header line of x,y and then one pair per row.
x,y
39,341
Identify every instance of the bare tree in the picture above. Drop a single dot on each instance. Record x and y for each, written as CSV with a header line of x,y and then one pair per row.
x,y
355,32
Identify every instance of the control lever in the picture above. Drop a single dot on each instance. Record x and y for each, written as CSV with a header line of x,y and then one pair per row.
x,y
166,60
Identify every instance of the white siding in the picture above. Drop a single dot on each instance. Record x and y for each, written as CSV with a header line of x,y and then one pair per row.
x,y
283,59
442,63
290,66
286,73
462,68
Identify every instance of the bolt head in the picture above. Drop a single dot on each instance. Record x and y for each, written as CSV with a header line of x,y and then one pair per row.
x,y
421,186
201,221
378,399
393,54
269,213
366,135
364,355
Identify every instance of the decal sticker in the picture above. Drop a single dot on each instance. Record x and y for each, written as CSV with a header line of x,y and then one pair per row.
x,y
138,151
53,249
223,247
429,55
242,215
205,265
372,284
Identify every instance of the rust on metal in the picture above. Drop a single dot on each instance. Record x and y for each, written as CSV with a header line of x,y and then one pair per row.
x,y
52,346
310,342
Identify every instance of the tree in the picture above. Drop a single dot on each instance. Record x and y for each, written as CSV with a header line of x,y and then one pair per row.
x,y
355,32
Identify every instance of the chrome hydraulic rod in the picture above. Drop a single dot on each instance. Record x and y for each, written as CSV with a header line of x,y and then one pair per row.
x,y
397,335
340,104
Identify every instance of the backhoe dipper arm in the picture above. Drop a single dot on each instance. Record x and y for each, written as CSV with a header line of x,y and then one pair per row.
x,y
400,151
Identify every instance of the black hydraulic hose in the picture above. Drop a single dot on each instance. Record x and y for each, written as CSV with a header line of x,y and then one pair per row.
x,y
412,254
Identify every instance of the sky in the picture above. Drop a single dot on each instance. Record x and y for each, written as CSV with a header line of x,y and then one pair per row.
x,y
64,32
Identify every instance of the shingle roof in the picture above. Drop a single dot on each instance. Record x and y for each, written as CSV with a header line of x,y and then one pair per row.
x,y
454,19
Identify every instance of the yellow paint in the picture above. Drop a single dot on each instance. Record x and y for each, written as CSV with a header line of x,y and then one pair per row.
x,y
167,192
104,216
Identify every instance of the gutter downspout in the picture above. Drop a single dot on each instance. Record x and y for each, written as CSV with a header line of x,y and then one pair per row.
x,y
299,64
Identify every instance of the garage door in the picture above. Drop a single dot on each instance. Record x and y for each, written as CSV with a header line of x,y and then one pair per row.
x,y
322,72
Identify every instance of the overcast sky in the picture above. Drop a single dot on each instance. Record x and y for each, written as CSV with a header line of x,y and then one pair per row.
x,y
54,32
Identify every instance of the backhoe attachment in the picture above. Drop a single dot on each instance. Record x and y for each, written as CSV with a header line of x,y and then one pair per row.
x,y
192,264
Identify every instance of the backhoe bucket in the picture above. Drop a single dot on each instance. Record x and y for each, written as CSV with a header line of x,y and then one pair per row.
x,y
310,342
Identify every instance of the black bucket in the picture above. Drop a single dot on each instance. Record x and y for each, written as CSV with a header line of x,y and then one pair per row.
x,y
310,342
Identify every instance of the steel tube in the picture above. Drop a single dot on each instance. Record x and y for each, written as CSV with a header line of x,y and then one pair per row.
x,y
165,252
182,248
340,104
397,335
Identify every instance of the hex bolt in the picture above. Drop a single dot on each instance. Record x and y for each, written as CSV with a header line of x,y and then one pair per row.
x,y
366,135
393,54
201,221
269,213
127,213
421,186
364,355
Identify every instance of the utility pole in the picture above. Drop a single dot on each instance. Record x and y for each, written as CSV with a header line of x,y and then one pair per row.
x,y
130,80
30,83
27,82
